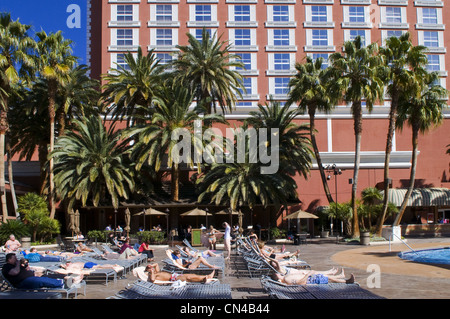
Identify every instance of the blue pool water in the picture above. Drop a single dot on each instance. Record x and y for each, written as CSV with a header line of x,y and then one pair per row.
x,y
430,256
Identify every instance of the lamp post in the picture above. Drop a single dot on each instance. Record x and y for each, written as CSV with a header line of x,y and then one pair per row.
x,y
336,171
115,220
206,214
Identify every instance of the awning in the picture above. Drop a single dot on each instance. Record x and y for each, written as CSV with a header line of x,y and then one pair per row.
x,y
420,196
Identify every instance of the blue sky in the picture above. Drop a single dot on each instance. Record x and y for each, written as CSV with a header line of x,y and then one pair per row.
x,y
52,16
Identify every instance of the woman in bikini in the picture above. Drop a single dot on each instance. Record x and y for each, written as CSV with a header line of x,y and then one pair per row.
x,y
154,273
212,237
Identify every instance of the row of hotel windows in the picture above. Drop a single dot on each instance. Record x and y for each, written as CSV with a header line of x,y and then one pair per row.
x,y
277,39
320,15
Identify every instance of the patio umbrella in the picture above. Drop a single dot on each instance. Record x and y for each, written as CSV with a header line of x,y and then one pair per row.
x,y
72,221
299,215
197,212
77,221
152,212
228,211
127,221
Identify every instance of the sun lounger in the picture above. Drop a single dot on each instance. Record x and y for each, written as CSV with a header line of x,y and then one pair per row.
x,y
278,290
148,290
89,274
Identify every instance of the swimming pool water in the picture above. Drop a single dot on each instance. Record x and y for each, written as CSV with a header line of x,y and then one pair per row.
x,y
431,256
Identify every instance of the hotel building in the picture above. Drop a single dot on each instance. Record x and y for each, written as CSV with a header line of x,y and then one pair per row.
x,y
270,36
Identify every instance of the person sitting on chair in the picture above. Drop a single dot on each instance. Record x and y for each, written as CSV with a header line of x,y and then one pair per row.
x,y
205,253
12,244
81,248
154,274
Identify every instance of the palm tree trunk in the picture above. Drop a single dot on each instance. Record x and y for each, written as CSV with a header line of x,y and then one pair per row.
x,y
312,132
3,129
387,159
412,176
11,179
51,110
357,118
175,182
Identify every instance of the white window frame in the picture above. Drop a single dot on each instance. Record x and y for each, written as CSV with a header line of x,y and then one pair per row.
x,y
153,39
271,41
393,2
166,23
318,1
393,25
367,33
135,41
314,24
244,48
437,49
253,70
384,35
441,71
271,63
272,88
359,2
291,23
192,23
253,95
114,58
347,24
429,3
253,23
116,23
325,48
438,26
325,62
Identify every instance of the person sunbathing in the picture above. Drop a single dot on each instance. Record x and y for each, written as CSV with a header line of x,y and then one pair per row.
x,y
81,248
155,274
205,253
312,277
188,264
270,252
80,267
283,270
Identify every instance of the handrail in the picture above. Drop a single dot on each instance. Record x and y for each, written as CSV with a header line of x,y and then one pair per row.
x,y
391,237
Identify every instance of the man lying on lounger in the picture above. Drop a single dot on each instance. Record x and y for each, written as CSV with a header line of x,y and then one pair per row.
x,y
307,277
154,274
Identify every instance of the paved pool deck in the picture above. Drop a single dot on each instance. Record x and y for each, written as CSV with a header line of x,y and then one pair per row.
x,y
396,279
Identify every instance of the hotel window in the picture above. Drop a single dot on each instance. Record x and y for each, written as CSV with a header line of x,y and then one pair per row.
x,y
393,17
124,15
281,64
120,62
433,40
124,37
350,35
280,15
431,3
164,58
319,17
429,18
356,17
202,15
281,39
163,15
279,87
386,34
319,40
242,16
249,61
163,39
242,39
250,85
324,57
198,33
436,63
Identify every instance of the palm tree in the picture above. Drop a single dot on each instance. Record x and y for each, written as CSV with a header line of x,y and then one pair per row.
x,y
421,111
171,115
16,61
356,73
90,164
310,87
132,88
205,66
370,196
400,57
294,145
78,97
237,184
55,62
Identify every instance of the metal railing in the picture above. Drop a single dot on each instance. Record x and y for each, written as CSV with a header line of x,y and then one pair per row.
x,y
391,237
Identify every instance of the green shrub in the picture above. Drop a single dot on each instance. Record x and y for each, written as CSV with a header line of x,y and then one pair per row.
x,y
13,227
100,235
154,237
276,233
